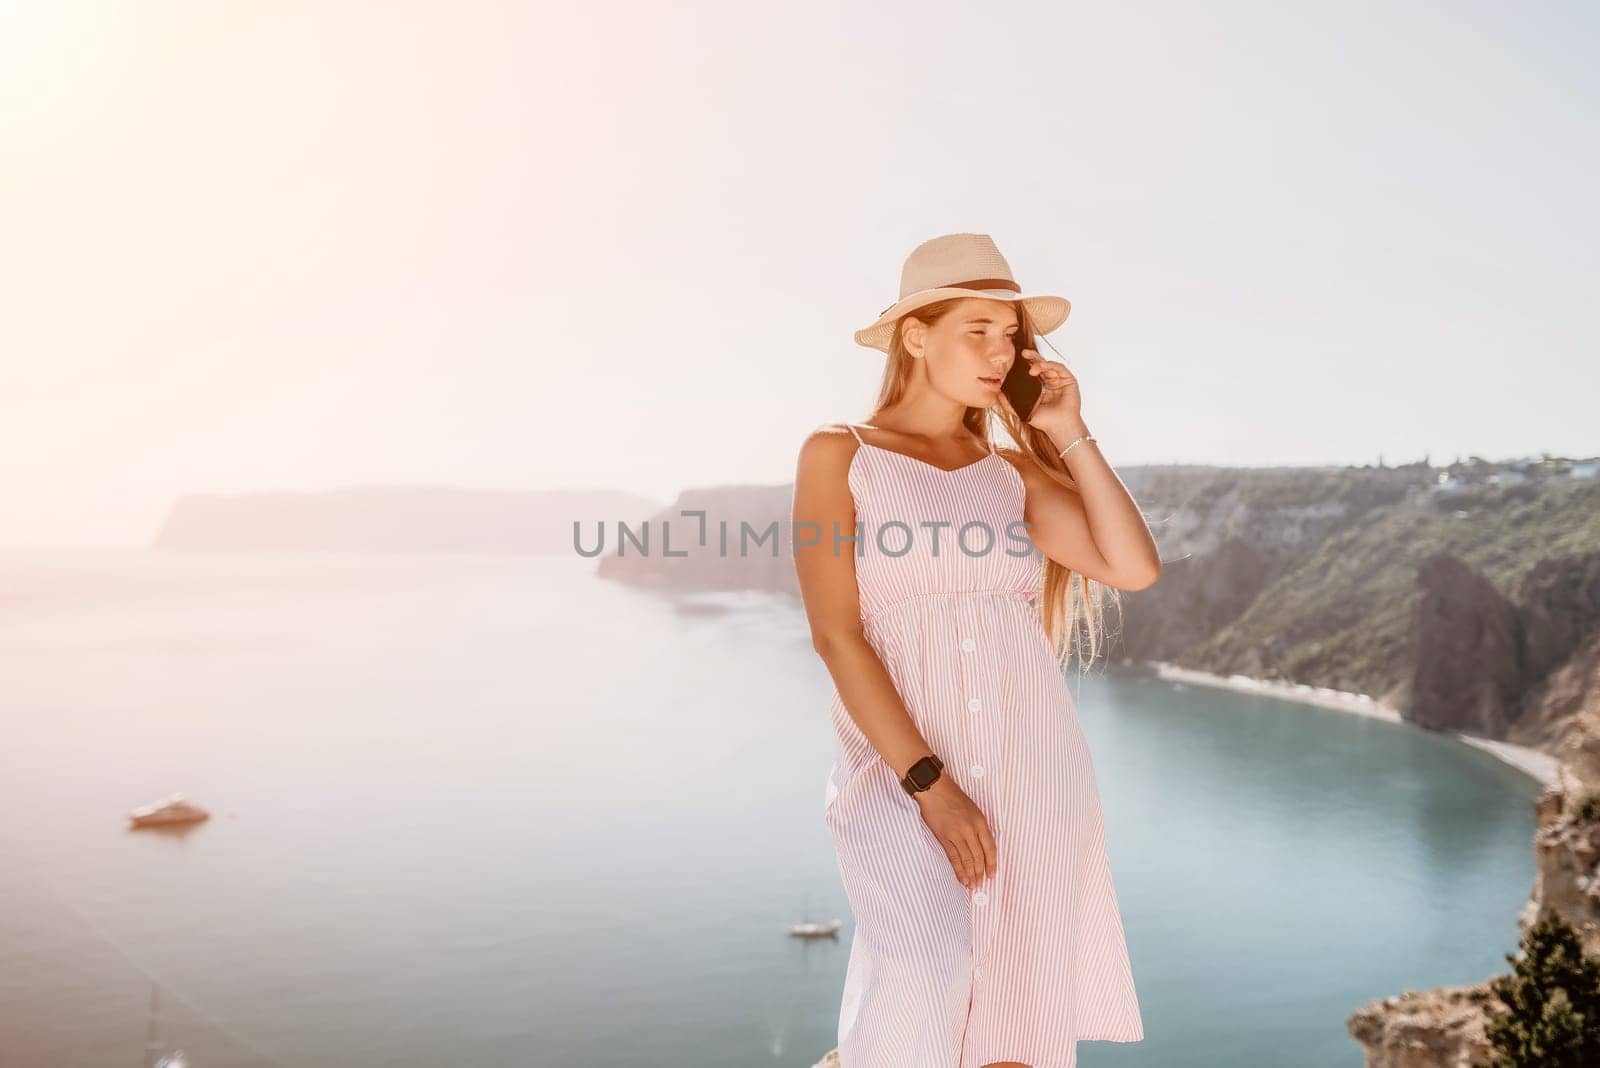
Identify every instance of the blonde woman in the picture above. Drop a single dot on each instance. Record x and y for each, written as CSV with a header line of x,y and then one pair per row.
x,y
962,799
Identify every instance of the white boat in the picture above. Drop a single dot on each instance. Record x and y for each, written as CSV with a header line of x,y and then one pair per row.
x,y
172,809
815,929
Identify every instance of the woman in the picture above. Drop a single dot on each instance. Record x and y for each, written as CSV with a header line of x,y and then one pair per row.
x,y
962,801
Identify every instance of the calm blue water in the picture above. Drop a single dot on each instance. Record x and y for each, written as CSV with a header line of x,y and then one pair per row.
x,y
494,811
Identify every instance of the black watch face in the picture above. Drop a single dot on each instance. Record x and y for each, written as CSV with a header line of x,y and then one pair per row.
x,y
924,774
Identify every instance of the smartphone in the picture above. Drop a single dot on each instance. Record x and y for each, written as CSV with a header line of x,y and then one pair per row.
x,y
1021,388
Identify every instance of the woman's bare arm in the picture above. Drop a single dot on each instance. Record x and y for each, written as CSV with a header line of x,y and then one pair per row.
x,y
1097,531
832,600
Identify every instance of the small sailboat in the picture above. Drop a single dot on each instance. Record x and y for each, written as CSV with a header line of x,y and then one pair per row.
x,y
814,928
175,808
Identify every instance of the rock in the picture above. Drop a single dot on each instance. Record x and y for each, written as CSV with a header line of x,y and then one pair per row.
x,y
1560,599
1566,843
1469,671
1441,1028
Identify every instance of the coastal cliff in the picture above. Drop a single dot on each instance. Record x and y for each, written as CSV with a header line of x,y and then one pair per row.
x,y
1475,611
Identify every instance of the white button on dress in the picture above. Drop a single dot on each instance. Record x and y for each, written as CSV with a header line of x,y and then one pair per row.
x,y
921,937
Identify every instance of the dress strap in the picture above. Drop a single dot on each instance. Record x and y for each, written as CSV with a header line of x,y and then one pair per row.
x,y
852,427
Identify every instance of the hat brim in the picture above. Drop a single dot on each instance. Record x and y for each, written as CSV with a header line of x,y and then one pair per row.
x,y
1045,311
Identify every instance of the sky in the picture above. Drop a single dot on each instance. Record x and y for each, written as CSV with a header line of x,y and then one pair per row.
x,y
306,246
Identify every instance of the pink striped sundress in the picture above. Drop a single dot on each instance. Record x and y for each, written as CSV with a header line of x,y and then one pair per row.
x,y
1035,959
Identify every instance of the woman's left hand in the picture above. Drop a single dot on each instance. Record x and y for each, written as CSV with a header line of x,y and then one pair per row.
x,y
1060,402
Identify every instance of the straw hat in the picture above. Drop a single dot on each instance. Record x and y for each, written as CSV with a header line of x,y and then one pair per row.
x,y
960,265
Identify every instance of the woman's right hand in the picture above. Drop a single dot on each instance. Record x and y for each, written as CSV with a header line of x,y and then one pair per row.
x,y
961,827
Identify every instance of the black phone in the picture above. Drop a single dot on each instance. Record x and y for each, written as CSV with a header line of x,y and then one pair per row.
x,y
1021,388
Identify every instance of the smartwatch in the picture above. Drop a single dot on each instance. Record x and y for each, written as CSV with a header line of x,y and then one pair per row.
x,y
923,774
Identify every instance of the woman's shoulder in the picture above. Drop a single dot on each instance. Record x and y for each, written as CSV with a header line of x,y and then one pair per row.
x,y
829,446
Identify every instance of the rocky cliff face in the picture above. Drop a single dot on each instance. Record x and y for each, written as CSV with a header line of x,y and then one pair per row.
x,y
1567,842
1469,651
1560,601
1512,666
1444,1028
1465,611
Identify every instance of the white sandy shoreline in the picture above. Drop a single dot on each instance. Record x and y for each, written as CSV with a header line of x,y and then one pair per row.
x,y
1537,765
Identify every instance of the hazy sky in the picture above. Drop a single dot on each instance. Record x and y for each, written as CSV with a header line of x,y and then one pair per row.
x,y
297,246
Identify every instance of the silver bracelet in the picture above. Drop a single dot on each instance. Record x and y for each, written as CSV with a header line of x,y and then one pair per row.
x,y
1063,453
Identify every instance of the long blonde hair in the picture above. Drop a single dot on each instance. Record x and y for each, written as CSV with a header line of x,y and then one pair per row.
x,y
1072,613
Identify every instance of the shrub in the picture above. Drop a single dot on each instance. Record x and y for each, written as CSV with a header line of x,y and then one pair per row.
x,y
1553,994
